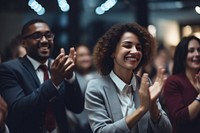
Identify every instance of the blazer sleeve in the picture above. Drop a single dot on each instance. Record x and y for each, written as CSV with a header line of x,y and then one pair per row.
x,y
71,93
163,125
23,96
26,98
99,118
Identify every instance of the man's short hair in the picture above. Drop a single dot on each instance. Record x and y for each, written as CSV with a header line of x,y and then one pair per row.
x,y
25,28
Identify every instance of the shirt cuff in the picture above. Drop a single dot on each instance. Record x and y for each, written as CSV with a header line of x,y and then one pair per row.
x,y
72,78
68,80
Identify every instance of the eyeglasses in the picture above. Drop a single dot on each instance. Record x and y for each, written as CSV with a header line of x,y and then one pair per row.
x,y
38,36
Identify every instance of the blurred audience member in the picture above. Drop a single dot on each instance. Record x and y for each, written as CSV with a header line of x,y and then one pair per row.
x,y
182,88
84,72
84,66
3,115
162,58
13,50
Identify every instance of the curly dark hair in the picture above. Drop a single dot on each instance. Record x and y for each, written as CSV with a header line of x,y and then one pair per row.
x,y
107,44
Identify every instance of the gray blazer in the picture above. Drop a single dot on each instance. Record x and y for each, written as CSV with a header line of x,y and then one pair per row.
x,y
104,111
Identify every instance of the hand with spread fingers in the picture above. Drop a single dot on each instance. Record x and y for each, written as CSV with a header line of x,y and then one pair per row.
x,y
63,66
157,87
149,94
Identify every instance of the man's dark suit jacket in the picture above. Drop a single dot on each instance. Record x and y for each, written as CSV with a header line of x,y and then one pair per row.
x,y
27,98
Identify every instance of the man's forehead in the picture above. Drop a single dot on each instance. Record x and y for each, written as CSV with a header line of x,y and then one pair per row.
x,y
39,27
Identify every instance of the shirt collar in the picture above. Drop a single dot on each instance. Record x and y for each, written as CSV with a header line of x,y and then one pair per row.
x,y
121,85
35,63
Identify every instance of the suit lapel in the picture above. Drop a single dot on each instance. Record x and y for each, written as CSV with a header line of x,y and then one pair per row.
x,y
113,100
27,64
115,108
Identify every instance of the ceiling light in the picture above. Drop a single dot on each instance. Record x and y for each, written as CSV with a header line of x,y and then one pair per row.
x,y
197,9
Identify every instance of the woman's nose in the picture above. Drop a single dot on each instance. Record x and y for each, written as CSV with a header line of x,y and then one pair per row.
x,y
133,49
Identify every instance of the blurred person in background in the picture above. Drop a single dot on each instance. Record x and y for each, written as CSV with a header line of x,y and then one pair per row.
x,y
84,68
182,88
120,101
14,49
3,115
161,58
85,71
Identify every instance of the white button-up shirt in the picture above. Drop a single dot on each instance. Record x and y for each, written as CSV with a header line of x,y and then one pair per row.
x,y
125,93
126,96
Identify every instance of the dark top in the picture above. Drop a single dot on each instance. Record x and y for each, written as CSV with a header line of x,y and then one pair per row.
x,y
178,94
27,99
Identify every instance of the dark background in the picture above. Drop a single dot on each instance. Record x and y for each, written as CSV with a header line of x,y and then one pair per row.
x,y
82,25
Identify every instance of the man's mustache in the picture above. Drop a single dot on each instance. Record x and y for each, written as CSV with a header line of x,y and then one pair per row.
x,y
39,45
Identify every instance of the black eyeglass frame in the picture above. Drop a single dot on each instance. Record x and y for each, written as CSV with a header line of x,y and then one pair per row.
x,y
39,35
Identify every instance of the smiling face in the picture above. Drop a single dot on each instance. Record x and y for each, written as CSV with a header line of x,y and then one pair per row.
x,y
83,59
193,55
128,53
38,41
